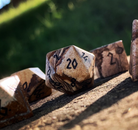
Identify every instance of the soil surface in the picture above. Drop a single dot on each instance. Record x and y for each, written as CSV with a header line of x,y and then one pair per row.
x,y
111,105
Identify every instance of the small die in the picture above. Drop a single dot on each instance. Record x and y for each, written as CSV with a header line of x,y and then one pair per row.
x,y
69,69
33,83
14,105
110,59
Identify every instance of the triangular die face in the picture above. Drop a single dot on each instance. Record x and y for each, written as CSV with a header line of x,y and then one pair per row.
x,y
8,86
55,57
72,66
40,92
20,97
88,59
38,72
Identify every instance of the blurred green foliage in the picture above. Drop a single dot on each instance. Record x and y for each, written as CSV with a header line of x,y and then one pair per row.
x,y
25,40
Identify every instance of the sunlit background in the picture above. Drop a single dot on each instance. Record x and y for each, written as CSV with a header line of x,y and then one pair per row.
x,y
4,3
30,29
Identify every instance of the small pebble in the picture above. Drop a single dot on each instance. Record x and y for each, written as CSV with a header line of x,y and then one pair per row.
x,y
54,117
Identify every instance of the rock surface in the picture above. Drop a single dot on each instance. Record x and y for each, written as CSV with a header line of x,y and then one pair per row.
x,y
111,105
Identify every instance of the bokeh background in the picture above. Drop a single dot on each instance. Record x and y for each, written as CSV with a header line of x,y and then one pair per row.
x,y
30,29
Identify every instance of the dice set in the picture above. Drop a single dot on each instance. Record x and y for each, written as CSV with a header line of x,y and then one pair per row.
x,y
68,70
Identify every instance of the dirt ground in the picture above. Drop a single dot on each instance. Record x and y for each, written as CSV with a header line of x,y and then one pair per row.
x,y
111,105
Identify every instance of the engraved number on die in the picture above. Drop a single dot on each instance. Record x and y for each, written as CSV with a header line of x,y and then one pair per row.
x,y
111,62
84,57
39,91
73,84
56,56
74,63
24,86
3,110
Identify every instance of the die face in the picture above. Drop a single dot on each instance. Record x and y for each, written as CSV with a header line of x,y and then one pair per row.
x,y
8,89
133,68
68,67
33,83
75,66
40,92
13,103
110,59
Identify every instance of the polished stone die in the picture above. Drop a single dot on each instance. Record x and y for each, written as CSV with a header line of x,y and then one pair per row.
x,y
33,83
14,105
69,69
110,59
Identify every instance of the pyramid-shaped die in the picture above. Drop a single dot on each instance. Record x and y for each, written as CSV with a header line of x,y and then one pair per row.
x,y
14,105
69,69
33,83
133,67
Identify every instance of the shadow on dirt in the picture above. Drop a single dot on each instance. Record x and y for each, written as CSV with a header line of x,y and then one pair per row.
x,y
122,90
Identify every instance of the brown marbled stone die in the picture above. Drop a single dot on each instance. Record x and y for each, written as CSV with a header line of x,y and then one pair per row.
x,y
133,67
33,83
70,69
110,59
14,105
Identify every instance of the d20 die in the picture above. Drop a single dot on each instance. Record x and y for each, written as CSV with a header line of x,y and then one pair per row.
x,y
110,59
133,68
14,105
69,69
33,83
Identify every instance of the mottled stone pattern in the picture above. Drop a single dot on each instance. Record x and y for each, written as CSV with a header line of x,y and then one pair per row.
x,y
69,69
14,105
33,83
133,69
110,59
